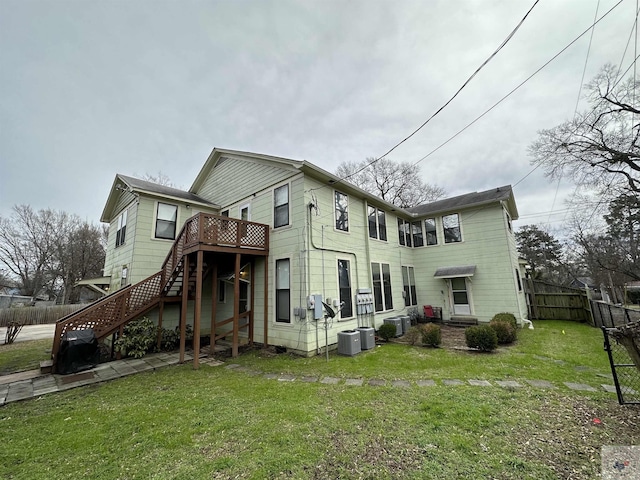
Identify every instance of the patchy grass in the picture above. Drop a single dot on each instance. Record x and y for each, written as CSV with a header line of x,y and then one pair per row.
x,y
19,356
217,423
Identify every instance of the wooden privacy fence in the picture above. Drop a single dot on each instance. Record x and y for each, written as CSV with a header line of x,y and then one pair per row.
x,y
546,301
36,315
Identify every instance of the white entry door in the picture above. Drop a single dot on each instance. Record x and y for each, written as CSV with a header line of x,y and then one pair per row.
x,y
460,296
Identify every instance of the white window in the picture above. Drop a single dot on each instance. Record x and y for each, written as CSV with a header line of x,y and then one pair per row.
x,y
460,298
416,234
409,283
122,228
281,206
404,232
430,231
342,211
382,294
244,212
377,223
344,285
509,225
283,291
451,227
166,218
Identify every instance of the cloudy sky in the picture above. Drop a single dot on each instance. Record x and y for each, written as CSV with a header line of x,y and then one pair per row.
x,y
89,89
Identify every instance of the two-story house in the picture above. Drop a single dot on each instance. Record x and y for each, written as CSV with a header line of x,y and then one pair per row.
x,y
265,234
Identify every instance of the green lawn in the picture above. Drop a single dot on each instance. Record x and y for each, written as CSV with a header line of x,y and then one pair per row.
x,y
19,356
178,423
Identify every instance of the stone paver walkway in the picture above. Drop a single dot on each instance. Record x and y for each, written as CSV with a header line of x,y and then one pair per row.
x,y
33,384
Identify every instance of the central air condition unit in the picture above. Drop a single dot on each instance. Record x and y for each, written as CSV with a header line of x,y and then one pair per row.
x,y
398,324
348,342
406,323
367,337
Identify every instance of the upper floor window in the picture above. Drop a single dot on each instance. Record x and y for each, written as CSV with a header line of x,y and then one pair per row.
x,y
122,228
404,232
416,234
451,227
509,225
281,206
166,218
430,231
342,211
377,223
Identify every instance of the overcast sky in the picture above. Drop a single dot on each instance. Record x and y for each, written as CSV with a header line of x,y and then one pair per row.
x,y
89,89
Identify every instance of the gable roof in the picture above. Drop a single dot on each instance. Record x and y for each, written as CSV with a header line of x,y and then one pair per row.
x,y
474,199
137,186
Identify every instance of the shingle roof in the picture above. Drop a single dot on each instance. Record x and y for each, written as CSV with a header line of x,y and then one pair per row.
x,y
467,200
143,185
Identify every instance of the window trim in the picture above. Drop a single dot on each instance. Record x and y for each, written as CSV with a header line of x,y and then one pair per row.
x,y
416,234
444,229
435,232
377,226
277,321
409,288
121,228
288,204
242,207
383,297
350,294
154,235
404,228
335,212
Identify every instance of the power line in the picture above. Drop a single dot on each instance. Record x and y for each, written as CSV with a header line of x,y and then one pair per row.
x,y
500,47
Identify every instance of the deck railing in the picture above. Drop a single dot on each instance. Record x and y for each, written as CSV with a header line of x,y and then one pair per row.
x,y
107,314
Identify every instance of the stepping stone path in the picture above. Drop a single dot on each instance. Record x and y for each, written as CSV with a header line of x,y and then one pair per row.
x,y
32,384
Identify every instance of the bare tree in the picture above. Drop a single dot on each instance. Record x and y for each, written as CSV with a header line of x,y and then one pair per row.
x,y
598,148
396,182
160,178
45,250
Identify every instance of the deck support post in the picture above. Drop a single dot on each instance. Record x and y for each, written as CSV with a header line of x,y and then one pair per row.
x,y
160,313
184,306
197,310
214,305
236,306
251,299
265,341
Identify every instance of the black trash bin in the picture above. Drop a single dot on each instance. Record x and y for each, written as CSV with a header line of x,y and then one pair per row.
x,y
78,351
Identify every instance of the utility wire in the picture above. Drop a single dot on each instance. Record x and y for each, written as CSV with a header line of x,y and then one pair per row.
x,y
500,47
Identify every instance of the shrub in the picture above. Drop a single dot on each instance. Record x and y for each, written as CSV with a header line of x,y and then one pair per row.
x,y
431,335
169,339
505,332
138,338
482,337
414,336
506,317
387,331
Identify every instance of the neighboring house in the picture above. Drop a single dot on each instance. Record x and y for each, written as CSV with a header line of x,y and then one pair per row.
x,y
319,235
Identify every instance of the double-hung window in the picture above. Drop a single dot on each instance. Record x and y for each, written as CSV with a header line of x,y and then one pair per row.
x,y
122,228
404,232
430,231
342,211
281,206
416,234
409,283
382,294
451,227
166,218
283,291
377,223
344,285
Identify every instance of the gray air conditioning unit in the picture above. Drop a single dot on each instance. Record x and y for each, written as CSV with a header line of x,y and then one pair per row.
x,y
398,324
367,337
406,323
349,342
